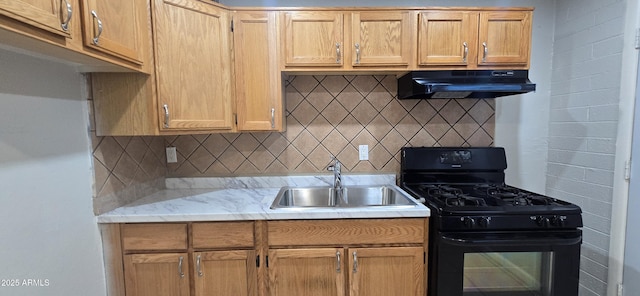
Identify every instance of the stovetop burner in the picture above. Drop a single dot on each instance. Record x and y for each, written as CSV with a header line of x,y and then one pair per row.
x,y
481,195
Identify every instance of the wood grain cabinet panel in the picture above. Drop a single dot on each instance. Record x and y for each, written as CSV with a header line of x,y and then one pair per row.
x,y
157,274
447,38
504,38
474,39
49,15
217,235
158,236
318,271
397,271
193,65
116,27
313,38
381,38
225,273
258,82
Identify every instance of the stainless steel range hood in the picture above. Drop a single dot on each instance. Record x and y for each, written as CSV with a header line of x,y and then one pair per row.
x,y
458,84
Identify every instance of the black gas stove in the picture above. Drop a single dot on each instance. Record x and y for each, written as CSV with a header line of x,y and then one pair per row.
x,y
465,190
486,237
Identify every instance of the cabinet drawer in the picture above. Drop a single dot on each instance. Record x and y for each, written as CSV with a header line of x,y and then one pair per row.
x,y
222,235
346,232
154,237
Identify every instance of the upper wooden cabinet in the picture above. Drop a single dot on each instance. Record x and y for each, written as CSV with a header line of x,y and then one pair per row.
x,y
381,38
342,40
474,39
52,16
313,38
504,38
193,65
258,82
65,29
116,27
447,38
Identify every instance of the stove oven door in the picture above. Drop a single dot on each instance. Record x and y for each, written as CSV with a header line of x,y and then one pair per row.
x,y
505,263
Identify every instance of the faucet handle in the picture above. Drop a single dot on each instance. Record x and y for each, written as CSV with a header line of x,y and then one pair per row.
x,y
335,165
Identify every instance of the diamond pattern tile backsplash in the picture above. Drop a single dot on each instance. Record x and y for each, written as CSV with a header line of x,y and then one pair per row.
x,y
333,115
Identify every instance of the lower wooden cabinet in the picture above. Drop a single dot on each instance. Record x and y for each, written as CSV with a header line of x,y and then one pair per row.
x,y
343,257
163,274
384,271
318,271
225,273
189,259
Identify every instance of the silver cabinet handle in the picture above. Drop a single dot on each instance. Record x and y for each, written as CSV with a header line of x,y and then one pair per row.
x,y
198,266
338,262
273,117
338,54
466,52
180,272
166,115
355,262
65,23
486,51
357,53
97,37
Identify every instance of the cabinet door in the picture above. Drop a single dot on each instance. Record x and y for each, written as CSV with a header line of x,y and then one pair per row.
x,y
225,273
313,38
258,82
157,274
381,38
504,37
447,38
193,65
397,271
116,27
49,15
309,272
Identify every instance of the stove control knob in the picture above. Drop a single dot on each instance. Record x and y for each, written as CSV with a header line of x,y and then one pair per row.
x,y
469,222
484,222
542,221
558,220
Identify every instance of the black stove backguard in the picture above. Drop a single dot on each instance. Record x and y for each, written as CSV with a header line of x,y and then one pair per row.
x,y
452,165
487,238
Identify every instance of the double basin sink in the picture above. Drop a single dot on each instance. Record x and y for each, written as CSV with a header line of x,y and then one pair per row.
x,y
387,196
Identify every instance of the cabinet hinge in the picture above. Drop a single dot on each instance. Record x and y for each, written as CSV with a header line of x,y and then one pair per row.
x,y
424,258
231,25
258,261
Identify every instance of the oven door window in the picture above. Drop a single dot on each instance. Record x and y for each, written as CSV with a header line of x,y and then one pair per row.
x,y
516,272
533,263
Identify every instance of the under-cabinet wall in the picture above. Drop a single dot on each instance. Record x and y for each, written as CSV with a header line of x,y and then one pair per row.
x,y
332,115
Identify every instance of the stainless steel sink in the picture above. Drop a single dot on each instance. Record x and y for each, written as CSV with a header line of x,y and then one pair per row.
x,y
351,197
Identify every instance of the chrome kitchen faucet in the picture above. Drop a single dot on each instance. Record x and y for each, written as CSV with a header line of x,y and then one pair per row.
x,y
337,177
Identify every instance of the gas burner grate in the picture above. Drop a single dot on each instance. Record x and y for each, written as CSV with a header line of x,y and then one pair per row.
x,y
452,196
506,195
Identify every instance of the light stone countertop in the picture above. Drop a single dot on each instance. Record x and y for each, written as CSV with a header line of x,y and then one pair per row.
x,y
246,198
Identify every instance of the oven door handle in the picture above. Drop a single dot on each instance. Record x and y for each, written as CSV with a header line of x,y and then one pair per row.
x,y
547,240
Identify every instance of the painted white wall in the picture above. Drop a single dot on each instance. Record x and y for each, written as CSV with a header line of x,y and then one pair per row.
x,y
47,228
